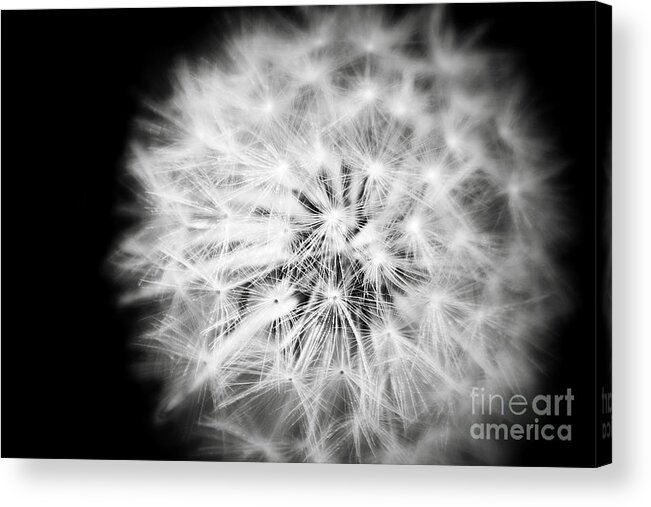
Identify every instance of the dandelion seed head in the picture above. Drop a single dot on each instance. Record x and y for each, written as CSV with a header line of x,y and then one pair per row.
x,y
336,246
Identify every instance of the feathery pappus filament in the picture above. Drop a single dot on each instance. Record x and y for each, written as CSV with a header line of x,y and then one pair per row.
x,y
344,222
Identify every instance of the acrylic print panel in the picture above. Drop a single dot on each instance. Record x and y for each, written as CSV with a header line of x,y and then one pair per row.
x,y
353,228
317,234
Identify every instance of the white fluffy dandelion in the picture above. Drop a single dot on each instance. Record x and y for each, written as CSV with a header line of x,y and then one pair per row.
x,y
344,226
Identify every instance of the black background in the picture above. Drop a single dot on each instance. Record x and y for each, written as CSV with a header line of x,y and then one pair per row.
x,y
72,82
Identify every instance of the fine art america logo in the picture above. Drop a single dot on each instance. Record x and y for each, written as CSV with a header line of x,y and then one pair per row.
x,y
534,412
